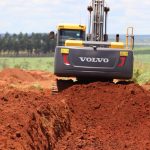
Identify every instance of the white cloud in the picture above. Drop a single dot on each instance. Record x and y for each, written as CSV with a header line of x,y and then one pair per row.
x,y
130,13
44,15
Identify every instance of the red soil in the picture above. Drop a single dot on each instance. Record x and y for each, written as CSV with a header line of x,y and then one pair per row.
x,y
107,116
25,79
26,118
95,116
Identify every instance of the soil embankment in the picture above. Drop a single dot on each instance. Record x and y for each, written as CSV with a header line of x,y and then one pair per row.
x,y
93,116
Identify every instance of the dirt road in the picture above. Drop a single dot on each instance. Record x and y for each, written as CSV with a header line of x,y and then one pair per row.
x,y
95,116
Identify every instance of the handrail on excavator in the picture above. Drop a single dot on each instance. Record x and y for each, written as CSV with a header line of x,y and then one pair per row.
x,y
130,34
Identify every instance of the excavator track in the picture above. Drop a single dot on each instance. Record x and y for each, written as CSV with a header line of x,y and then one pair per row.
x,y
59,84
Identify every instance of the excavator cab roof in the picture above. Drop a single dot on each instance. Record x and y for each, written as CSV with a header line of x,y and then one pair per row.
x,y
72,27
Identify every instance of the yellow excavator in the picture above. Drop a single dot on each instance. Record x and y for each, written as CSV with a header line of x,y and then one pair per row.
x,y
90,55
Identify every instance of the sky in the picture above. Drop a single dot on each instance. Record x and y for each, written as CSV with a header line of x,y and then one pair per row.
x,y
43,16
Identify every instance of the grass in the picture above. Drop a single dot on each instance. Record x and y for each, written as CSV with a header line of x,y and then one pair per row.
x,y
28,63
142,65
141,48
142,69
143,58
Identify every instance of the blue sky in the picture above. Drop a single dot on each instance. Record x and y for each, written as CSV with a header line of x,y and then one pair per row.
x,y
44,15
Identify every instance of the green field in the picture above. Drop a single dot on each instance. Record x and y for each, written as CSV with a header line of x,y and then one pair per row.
x,y
28,63
142,68
141,64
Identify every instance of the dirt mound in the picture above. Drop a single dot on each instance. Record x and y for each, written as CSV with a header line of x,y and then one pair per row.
x,y
146,86
41,75
107,116
31,120
95,116
16,74
23,79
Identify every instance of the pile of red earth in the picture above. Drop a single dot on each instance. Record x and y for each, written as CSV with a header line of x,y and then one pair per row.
x,y
18,75
105,116
95,116
23,79
31,120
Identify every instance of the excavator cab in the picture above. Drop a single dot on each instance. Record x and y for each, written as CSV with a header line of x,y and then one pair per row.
x,y
70,32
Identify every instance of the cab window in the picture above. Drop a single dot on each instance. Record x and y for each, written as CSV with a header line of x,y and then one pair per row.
x,y
70,35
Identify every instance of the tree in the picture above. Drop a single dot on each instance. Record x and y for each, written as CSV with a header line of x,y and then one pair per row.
x,y
40,43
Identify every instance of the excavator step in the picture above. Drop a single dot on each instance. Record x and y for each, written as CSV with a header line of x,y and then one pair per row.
x,y
54,88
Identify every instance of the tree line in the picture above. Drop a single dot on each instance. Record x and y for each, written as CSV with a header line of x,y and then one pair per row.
x,y
26,44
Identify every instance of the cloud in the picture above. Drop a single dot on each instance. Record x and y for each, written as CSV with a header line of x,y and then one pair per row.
x,y
130,13
44,15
